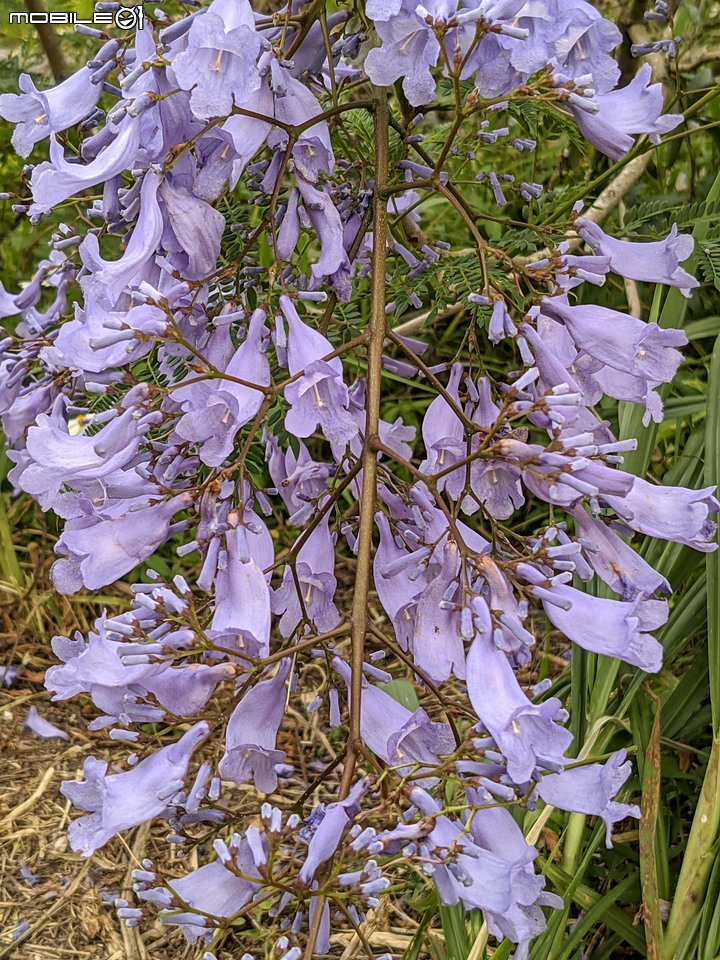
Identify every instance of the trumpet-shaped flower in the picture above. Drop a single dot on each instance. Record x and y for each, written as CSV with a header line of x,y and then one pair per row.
x,y
657,262
218,64
318,395
123,800
38,113
590,790
251,732
635,109
527,734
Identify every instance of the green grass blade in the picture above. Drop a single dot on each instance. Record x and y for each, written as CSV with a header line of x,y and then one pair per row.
x,y
9,565
596,909
412,951
455,931
712,473
648,846
709,935
699,858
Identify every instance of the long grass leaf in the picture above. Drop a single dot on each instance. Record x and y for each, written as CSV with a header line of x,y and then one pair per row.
x,y
648,832
712,473
699,858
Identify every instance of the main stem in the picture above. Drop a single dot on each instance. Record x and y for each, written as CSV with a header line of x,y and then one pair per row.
x,y
376,337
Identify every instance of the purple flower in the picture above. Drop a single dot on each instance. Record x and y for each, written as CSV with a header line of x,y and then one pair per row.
x,y
493,485
403,739
325,219
631,346
409,47
43,728
653,262
38,113
242,600
527,734
96,551
300,480
19,930
590,789
611,627
622,386
614,561
397,590
556,355
437,644
110,278
251,732
487,868
225,151
581,39
8,306
444,437
214,410
184,690
318,396
122,689
470,875
124,800
94,666
670,513
570,34
312,154
193,230
99,339
383,9
219,61
20,406
635,109
327,834
554,352
56,458
308,592
27,875
510,635
57,180
212,889
8,675
494,830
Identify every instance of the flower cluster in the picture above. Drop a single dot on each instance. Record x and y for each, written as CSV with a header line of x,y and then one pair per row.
x,y
206,344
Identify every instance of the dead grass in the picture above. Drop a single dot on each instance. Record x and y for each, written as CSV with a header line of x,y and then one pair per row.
x,y
68,910
64,910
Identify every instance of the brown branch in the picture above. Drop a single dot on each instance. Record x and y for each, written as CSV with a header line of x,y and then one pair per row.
x,y
376,336
50,41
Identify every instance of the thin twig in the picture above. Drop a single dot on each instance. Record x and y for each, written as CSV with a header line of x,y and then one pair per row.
x,y
31,800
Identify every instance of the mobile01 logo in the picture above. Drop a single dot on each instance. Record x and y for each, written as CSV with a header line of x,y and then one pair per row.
x,y
125,18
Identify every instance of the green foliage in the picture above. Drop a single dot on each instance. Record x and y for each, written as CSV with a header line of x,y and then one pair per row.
x,y
709,263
